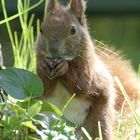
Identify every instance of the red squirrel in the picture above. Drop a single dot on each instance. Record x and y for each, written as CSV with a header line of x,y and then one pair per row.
x,y
68,62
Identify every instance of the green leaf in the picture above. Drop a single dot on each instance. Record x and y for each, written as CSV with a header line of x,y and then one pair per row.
x,y
14,122
34,109
50,107
16,108
1,125
32,138
26,104
41,117
29,125
2,106
20,84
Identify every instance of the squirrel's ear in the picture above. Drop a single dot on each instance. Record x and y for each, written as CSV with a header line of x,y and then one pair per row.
x,y
51,5
78,7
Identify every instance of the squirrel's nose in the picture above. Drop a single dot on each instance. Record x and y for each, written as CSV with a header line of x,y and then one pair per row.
x,y
53,50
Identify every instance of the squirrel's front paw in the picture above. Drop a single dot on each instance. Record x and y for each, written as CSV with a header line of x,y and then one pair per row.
x,y
55,67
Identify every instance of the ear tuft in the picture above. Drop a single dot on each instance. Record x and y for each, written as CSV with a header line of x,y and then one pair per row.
x,y
78,7
51,5
73,4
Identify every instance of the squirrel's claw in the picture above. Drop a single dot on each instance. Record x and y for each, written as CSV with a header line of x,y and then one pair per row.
x,y
55,67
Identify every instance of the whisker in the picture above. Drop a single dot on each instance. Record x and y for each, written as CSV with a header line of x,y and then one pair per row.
x,y
99,51
85,51
105,47
103,53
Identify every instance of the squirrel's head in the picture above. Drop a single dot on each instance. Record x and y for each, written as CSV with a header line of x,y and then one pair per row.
x,y
64,29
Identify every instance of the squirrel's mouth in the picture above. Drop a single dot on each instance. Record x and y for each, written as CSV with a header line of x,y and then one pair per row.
x,y
66,56
69,57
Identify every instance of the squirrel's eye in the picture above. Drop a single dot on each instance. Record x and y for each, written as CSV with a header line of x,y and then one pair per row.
x,y
73,30
41,31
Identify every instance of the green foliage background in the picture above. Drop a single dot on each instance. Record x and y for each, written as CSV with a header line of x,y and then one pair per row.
x,y
119,31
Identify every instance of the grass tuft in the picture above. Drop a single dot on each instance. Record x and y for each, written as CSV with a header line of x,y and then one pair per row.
x,y
128,127
23,45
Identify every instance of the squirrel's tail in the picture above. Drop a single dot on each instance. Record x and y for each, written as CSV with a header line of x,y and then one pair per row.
x,y
123,70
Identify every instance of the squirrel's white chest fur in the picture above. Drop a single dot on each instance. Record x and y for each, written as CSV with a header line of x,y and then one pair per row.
x,y
76,110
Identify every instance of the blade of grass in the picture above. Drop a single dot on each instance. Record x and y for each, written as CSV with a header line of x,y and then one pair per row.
x,y
66,105
23,45
137,119
7,23
38,28
21,13
1,57
120,122
45,11
21,17
86,133
16,51
64,108
100,131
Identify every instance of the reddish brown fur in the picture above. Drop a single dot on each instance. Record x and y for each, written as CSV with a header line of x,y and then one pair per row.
x,y
90,74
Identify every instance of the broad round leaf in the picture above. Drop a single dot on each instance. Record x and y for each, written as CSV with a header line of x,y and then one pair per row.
x,y
20,84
